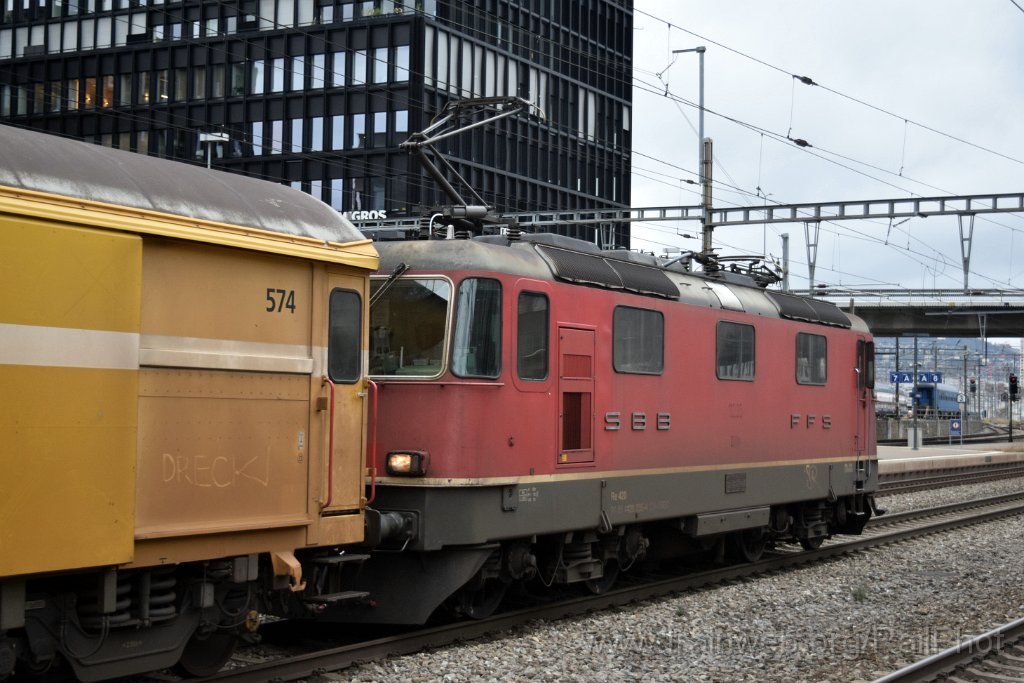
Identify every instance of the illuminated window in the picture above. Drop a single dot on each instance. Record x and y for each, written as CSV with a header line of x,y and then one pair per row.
x,y
90,93
162,86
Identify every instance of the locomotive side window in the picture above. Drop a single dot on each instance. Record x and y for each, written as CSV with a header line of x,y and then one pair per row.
x,y
477,342
734,346
344,336
532,336
638,341
408,326
811,358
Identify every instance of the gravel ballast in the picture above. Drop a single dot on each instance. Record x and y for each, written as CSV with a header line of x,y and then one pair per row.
x,y
849,619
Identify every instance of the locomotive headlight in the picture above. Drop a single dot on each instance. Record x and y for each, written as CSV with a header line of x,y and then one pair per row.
x,y
407,463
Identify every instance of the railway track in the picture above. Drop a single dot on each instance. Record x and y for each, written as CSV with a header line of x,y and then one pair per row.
x,y
997,655
906,482
882,531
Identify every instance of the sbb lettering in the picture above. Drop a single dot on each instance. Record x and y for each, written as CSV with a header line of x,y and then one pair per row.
x,y
638,421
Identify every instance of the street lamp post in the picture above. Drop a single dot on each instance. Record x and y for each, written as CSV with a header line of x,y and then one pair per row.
x,y
210,139
700,149
700,102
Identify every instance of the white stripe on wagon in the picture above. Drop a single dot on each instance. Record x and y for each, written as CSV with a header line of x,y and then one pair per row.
x,y
68,347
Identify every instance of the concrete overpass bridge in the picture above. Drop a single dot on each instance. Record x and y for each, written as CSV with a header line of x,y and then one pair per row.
x,y
980,313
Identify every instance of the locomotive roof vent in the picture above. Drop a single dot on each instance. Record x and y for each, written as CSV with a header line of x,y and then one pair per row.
x,y
810,310
607,271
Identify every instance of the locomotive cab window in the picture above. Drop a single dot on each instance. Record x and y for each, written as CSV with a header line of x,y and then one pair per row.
x,y
408,327
532,336
476,347
734,351
811,358
638,341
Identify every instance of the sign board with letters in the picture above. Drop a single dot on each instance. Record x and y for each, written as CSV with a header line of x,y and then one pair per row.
x,y
922,377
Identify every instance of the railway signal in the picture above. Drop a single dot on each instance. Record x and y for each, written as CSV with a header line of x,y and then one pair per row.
x,y
1014,395
974,386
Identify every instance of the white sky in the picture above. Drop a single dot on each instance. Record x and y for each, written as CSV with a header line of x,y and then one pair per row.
x,y
957,67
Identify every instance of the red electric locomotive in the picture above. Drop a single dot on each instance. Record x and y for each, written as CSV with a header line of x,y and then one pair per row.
x,y
548,410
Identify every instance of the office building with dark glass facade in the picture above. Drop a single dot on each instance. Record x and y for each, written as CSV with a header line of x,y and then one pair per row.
x,y
319,93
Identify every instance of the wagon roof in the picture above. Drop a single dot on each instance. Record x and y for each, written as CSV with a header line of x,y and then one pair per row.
x,y
68,168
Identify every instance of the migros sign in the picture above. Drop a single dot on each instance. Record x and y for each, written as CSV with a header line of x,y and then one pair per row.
x,y
377,215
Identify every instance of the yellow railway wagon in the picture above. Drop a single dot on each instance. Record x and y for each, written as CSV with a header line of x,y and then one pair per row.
x,y
182,405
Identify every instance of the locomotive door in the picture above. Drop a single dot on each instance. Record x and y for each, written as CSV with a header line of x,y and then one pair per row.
x,y
343,483
865,417
575,395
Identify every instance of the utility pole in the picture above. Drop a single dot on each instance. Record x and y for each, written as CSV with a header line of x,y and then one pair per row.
x,y
785,267
964,407
914,401
707,250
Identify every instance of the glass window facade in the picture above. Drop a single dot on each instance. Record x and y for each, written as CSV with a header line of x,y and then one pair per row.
x,y
356,77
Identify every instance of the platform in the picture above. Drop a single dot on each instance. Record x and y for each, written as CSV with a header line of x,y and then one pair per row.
x,y
903,459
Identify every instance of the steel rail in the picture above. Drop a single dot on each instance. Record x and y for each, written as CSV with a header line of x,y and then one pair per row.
x,y
981,647
891,486
338,658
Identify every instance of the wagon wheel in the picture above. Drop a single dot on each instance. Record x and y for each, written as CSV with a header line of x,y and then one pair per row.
x,y
602,585
480,603
812,543
205,654
749,545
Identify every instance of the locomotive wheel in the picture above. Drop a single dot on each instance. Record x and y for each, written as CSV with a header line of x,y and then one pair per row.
x,y
480,603
205,654
749,545
812,543
602,585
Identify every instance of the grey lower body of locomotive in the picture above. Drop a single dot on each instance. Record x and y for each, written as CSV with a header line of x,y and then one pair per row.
x,y
432,540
